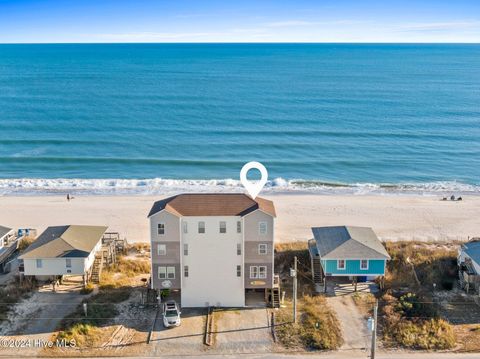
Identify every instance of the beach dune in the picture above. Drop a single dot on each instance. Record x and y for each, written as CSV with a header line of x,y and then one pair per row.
x,y
392,217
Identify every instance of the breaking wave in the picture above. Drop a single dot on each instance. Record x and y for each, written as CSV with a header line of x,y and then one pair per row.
x,y
157,186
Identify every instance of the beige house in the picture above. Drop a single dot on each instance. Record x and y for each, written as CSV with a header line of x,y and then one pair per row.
x,y
63,250
213,248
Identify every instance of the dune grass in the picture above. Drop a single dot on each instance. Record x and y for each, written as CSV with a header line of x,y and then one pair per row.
x,y
411,323
101,309
409,315
317,327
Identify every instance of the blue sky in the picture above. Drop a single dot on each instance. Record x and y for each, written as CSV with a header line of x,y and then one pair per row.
x,y
239,21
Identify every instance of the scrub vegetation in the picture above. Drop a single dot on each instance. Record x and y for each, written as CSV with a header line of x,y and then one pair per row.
x,y
414,324
317,327
12,294
409,314
116,285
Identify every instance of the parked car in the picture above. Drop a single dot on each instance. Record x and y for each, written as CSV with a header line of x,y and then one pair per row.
x,y
171,314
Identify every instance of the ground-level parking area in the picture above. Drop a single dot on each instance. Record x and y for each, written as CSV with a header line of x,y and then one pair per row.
x,y
234,330
245,330
186,339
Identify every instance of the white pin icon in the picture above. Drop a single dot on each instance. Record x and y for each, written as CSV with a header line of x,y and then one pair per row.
x,y
253,188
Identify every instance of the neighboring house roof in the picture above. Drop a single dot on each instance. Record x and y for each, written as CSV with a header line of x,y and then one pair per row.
x,y
65,241
472,249
212,204
4,231
348,242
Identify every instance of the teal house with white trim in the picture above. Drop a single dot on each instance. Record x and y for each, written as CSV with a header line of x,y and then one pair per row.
x,y
346,251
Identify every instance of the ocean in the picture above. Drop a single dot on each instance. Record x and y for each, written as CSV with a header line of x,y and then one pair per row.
x,y
159,118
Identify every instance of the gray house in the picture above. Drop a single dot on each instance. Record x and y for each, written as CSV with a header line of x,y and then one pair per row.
x,y
346,251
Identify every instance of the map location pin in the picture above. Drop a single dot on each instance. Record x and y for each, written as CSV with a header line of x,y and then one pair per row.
x,y
253,187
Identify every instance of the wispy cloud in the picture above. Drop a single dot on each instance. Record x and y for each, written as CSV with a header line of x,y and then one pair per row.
x,y
441,26
152,36
289,23
298,23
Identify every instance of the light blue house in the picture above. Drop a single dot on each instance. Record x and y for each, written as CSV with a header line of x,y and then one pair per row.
x,y
346,251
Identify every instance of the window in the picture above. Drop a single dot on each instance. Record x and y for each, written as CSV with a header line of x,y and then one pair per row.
x,y
262,248
68,263
239,227
258,272
239,249
161,228
166,272
253,272
185,271
185,249
341,264
162,272
239,271
201,227
161,249
223,227
262,228
185,227
171,272
262,272
39,263
364,264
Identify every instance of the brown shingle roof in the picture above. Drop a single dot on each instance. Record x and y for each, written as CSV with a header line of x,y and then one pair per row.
x,y
212,204
65,241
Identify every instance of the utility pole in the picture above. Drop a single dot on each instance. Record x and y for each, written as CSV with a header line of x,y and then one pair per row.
x,y
295,289
374,329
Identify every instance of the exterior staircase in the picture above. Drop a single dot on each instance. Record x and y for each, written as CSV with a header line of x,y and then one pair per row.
x,y
275,292
276,297
317,271
97,269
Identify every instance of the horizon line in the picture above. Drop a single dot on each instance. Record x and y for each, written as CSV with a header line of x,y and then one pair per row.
x,y
242,43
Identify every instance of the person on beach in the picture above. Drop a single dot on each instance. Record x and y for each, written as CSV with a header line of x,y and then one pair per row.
x,y
68,197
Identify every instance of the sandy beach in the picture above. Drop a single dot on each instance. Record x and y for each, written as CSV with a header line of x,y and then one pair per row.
x,y
392,217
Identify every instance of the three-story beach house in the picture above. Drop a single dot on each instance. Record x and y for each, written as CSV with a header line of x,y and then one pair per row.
x,y
213,248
